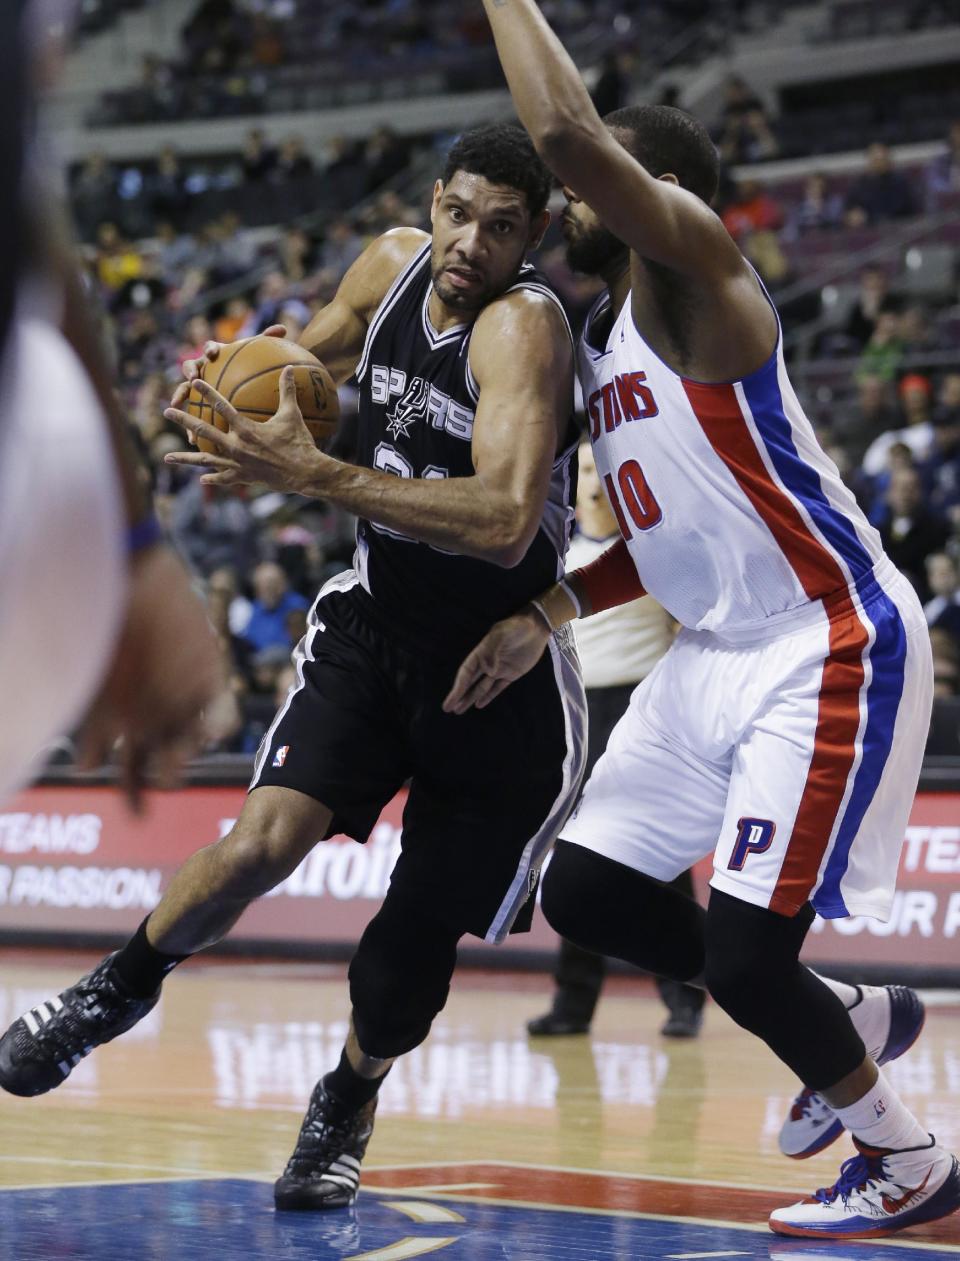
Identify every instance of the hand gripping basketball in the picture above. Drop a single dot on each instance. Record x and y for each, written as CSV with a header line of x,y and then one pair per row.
x,y
247,374
278,452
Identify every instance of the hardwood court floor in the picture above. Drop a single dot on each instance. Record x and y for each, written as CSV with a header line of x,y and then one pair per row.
x,y
488,1144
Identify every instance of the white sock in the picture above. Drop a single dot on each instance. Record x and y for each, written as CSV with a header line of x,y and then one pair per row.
x,y
881,1119
848,994
869,1009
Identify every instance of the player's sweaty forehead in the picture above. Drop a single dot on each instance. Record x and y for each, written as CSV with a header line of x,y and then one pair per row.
x,y
483,199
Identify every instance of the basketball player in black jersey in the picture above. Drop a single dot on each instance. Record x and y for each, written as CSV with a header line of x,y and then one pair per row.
x,y
465,498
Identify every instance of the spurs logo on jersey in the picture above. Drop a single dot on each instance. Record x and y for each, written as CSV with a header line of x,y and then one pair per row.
x,y
410,408
420,400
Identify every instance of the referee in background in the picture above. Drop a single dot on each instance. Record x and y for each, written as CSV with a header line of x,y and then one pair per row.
x,y
618,648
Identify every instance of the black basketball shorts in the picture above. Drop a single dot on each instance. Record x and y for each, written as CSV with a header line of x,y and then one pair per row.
x,y
489,790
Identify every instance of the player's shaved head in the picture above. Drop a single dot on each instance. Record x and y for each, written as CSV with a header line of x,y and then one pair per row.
x,y
669,141
665,141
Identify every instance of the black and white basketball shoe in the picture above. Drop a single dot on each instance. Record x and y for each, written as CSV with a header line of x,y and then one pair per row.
x,y
324,1170
43,1047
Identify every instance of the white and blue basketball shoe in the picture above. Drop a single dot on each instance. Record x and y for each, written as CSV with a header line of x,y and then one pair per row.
x,y
896,1014
879,1192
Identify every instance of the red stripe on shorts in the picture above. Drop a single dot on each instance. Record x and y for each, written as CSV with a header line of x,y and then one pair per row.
x,y
721,418
834,751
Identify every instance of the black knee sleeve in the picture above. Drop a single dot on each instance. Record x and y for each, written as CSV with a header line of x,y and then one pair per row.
x,y
400,977
754,973
606,907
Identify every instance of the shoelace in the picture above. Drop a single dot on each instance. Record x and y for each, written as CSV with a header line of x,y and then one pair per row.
x,y
319,1135
855,1173
67,1028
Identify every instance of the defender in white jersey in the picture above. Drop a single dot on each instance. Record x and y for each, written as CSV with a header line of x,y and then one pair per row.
x,y
784,730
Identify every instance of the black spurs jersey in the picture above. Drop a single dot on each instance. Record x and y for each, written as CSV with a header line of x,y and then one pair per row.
x,y
417,404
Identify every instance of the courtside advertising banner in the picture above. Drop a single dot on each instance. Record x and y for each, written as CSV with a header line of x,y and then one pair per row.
x,y
74,860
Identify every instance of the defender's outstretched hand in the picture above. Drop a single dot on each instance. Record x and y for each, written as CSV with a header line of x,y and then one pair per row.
x,y
507,652
279,452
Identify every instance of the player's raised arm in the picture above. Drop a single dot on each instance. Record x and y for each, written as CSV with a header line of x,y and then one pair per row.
x,y
654,217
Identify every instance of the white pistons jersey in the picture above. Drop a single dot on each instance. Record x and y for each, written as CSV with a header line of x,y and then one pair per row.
x,y
784,729
732,512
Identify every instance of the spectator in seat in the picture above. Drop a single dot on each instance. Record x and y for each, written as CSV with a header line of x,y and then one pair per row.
x,y
273,601
228,327
343,157
117,259
943,173
739,99
342,246
883,353
258,158
166,187
918,433
293,161
941,470
384,157
223,583
196,335
919,337
872,298
213,528
295,251
93,192
175,250
946,663
271,296
870,415
909,531
943,579
752,209
881,193
613,85
819,209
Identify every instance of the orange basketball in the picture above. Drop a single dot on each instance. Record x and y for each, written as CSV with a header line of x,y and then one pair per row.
x,y
247,374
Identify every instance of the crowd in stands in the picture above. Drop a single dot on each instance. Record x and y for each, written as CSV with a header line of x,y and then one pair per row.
x,y
168,282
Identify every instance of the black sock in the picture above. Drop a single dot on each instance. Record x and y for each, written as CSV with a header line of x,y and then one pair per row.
x,y
141,967
348,1088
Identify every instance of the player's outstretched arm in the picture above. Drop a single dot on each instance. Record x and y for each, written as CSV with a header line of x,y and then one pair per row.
x,y
658,220
512,647
522,359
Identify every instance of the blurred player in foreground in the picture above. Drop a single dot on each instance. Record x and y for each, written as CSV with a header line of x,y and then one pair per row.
x,y
785,728
99,620
464,489
618,648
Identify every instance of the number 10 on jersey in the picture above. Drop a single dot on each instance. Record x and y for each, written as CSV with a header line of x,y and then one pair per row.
x,y
632,492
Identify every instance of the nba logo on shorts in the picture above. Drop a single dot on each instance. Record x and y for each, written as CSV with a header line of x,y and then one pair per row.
x,y
754,836
281,755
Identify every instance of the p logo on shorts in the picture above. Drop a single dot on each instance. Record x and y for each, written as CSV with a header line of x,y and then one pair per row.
x,y
754,836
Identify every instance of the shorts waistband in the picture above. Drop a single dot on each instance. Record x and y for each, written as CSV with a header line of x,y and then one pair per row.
x,y
878,581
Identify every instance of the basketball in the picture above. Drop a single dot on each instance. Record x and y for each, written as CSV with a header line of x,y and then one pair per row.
x,y
247,374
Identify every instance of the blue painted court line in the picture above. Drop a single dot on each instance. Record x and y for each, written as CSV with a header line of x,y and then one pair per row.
x,y
233,1219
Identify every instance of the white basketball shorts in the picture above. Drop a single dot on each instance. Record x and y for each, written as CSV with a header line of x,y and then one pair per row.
x,y
794,760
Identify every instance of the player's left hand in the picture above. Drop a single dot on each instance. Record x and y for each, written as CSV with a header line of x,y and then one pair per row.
x,y
509,650
279,453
